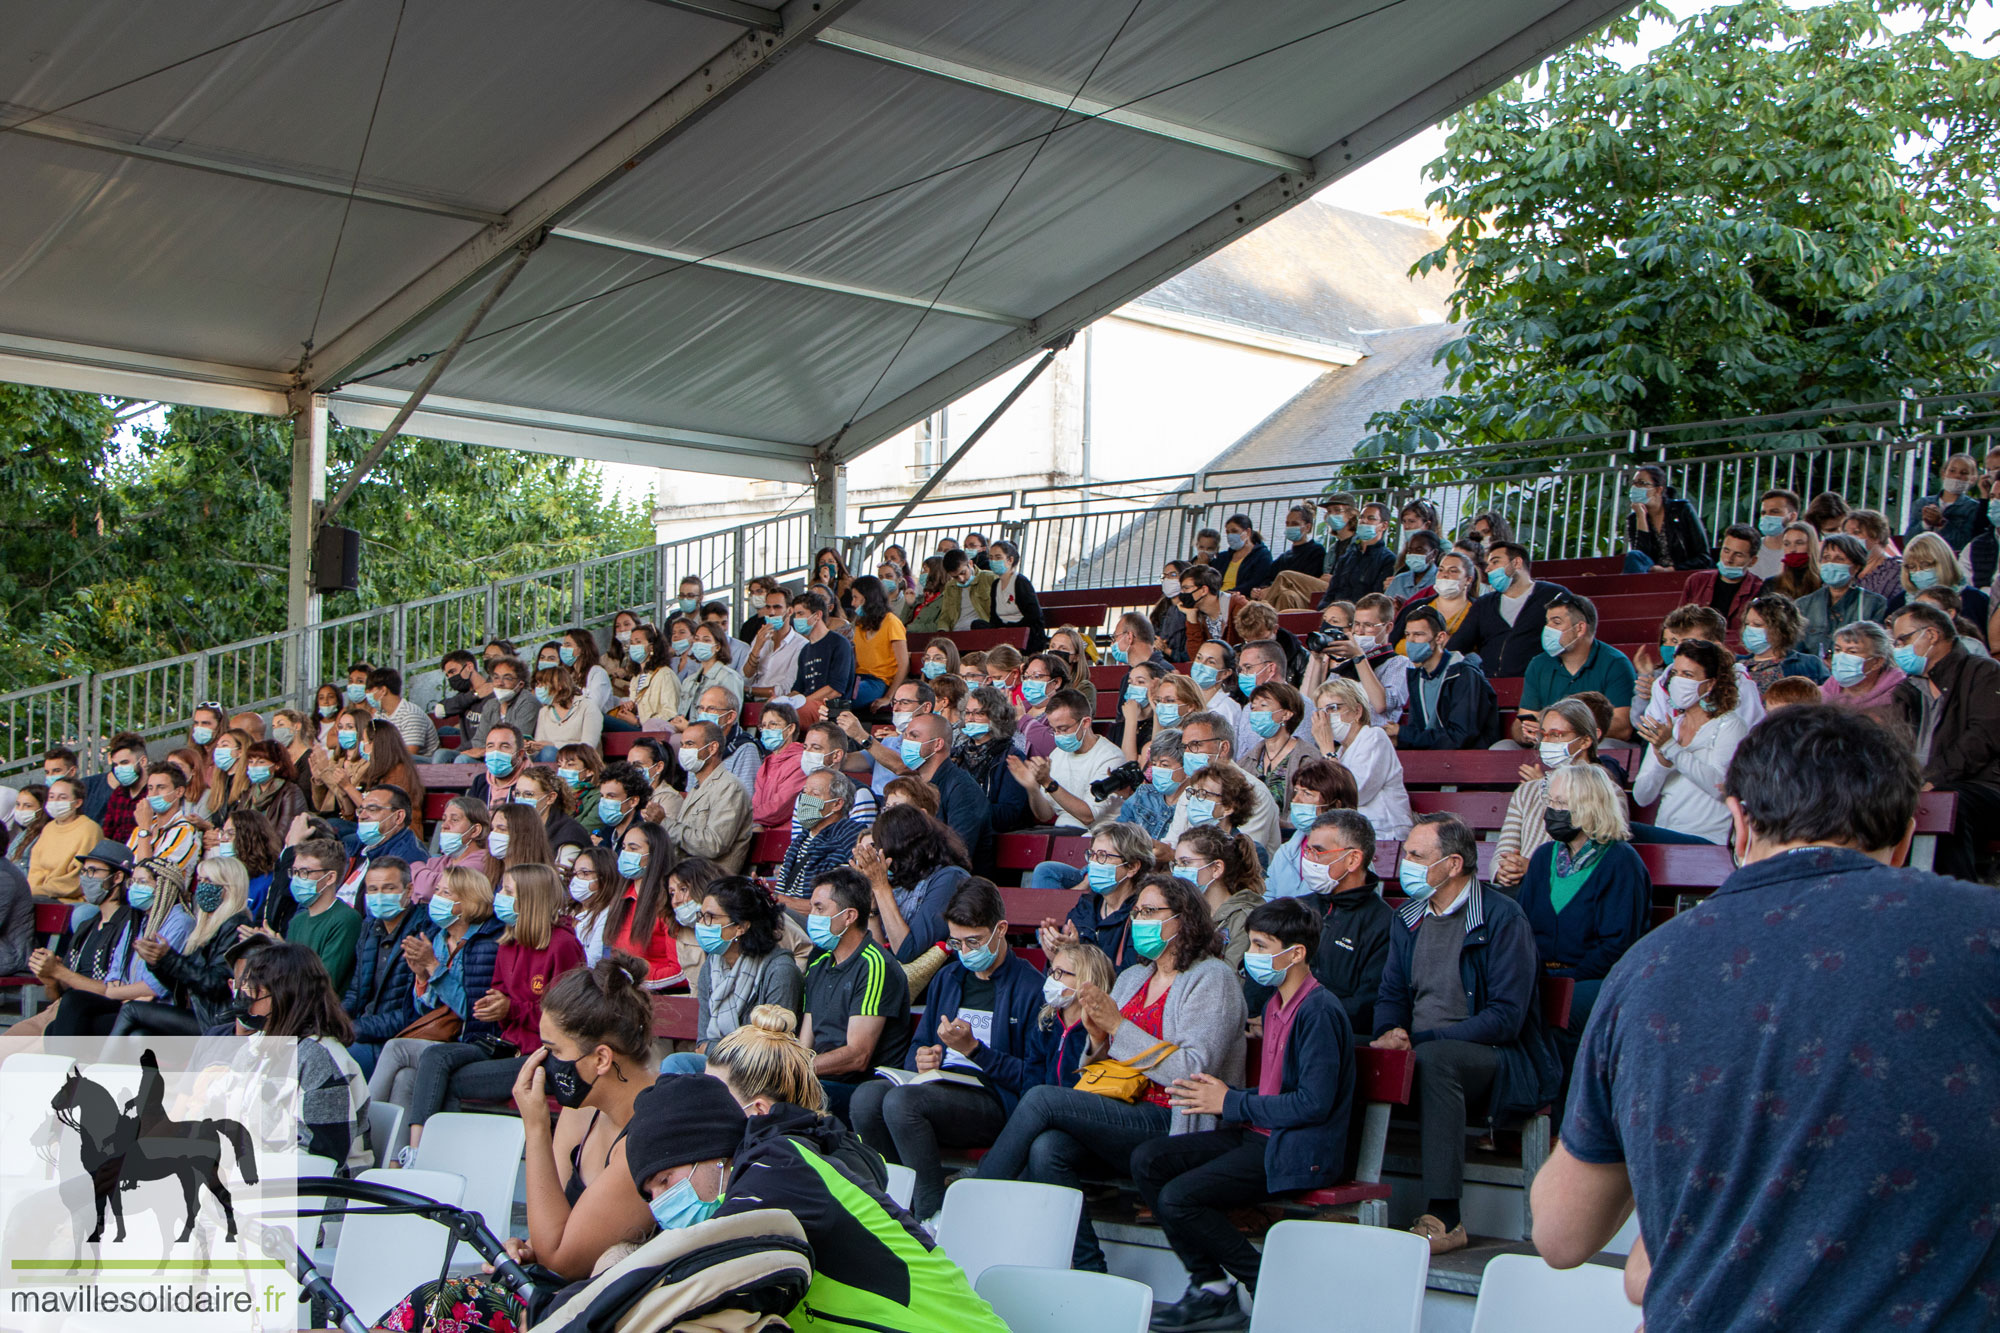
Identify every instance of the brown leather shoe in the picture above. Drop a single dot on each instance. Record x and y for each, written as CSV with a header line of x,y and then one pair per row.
x,y
1443,1240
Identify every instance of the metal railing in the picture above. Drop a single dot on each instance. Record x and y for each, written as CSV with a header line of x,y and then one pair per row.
x,y
156,699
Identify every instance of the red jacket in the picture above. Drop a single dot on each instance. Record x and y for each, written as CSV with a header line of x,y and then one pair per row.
x,y
1700,589
524,975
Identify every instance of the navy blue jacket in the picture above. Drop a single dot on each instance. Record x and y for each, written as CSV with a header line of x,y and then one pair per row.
x,y
1254,567
1106,930
1307,558
96,796
1468,710
1607,916
1068,1053
925,916
1358,570
404,844
480,950
1498,968
1018,1056
1307,1147
962,804
381,996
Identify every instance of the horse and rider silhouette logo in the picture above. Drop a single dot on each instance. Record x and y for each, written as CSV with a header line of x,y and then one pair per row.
x,y
120,1149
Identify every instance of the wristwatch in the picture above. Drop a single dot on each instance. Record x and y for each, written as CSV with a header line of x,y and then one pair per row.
x,y
1050,787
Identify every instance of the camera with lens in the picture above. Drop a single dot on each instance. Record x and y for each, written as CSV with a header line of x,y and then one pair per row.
x,y
1322,639
1127,777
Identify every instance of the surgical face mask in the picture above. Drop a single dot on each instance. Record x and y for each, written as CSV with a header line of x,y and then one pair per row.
x,y
580,888
1192,763
1200,812
125,774
1149,937
1167,714
1771,525
1263,723
348,739
901,718
504,693
1416,564
1993,511
609,811
1263,969
811,762
1449,589
690,758
1415,879
1163,779
623,636
369,831
703,651
203,735
1552,641
1418,652
95,888
809,809
1910,661
1246,682
1204,675
980,959
1341,729
544,696
1554,754
1836,574
59,809
139,897
682,1207
1234,540
259,774
159,805
1667,651
1849,668
23,816
1499,580
225,850
680,647
1170,587
566,655
822,932
1102,878
933,669
771,738
225,759
711,939
1730,573
1069,742
304,889
1683,692
1955,485
1118,655
1755,638
1367,532
976,730
207,896
356,693
1294,533
1135,694
636,652
1317,877
450,841
498,764
708,715
1034,691
442,910
1924,579
1055,994
327,710
912,753
382,906
802,625
1304,814
498,842
631,864
1637,494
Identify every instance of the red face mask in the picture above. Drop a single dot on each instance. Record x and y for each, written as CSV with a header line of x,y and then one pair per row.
x,y
1795,560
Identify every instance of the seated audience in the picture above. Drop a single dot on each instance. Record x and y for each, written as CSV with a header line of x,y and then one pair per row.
x,y
1120,855
1840,601
913,864
597,891
96,966
1180,1015
1789,691
1337,879
1227,792
1883,572
824,834
713,820
1343,731
1151,804
1452,704
1248,564
1277,749
926,753
1421,549
1058,786
911,791
1728,587
1459,991
1368,657
1135,723
1662,529
826,748
1287,1133
857,1000
1504,627
1320,785
1222,864
1168,619
1687,755
462,835
1649,693
1574,661
1365,564
1771,631
1457,582
169,829
385,694
59,842
1862,674
1777,509
285,992
1302,555
452,971
1952,706
1799,574
779,777
1928,563
567,716
1825,512
381,997
1951,512
1209,611
740,932
958,595
982,1007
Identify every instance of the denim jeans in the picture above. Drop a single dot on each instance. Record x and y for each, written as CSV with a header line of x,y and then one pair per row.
x,y
1053,875
1056,1132
684,1062
908,1124
1638,562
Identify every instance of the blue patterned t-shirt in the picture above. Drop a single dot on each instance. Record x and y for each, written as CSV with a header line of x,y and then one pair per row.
x,y
1802,1078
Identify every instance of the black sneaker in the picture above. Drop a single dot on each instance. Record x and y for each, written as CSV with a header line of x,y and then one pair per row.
x,y
1202,1311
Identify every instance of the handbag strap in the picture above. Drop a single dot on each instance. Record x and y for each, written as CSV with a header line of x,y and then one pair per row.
x,y
1142,1064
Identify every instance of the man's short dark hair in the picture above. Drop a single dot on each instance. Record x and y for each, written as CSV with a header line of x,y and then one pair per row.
x,y
1426,615
1355,832
1288,921
458,657
386,678
512,663
1140,625
1455,838
361,668
398,799
850,889
814,601
1583,606
395,863
926,696
1826,775
127,740
1207,577
327,852
62,754
712,610
954,560
657,749
976,904
1742,532
1933,616
1512,550
507,727
173,774
627,775
1072,701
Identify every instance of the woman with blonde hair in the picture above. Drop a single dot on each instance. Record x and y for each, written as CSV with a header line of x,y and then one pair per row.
x,y
1073,966
767,1069
197,972
1175,697
461,840
1343,728
453,967
1929,563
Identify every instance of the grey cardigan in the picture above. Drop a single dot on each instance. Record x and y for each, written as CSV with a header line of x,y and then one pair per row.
x,y
775,979
1204,1017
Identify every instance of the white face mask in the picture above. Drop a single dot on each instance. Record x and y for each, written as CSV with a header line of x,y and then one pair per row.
x,y
59,809
690,758
1055,994
811,762
1341,729
580,888
1449,589
1170,587
1683,692
1317,877
23,816
1554,753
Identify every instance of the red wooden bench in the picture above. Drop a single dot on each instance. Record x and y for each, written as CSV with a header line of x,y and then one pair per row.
x,y
1596,586
448,777
434,804
674,1017
1636,632
618,744
1483,811
768,847
1382,1079
1559,570
1463,768
972,640
1107,677
1635,606
1127,595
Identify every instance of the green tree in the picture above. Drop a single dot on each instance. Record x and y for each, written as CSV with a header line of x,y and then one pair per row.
x,y
176,540
1780,208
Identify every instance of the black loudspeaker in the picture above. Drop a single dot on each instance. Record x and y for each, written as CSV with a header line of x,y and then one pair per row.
x,y
337,560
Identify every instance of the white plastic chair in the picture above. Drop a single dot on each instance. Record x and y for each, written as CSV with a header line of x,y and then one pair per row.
x,y
989,1222
1519,1293
902,1183
1379,1276
484,1149
382,1258
1041,1300
385,1129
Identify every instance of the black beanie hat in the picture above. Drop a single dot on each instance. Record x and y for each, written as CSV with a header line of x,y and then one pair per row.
x,y
682,1118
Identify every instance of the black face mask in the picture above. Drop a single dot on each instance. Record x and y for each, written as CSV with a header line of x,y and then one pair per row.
x,y
250,1022
565,1082
1559,825
460,684
1188,600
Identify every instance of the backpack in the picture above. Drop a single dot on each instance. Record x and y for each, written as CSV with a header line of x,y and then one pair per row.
x,y
739,1274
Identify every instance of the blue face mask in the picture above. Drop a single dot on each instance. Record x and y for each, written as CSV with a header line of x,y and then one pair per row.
x,y
1192,763
802,625
1163,779
506,908
1730,573
382,906
975,730
1924,579
1552,641
1263,969
225,759
1204,675
1499,580
702,651
203,735
1103,878
1909,661
1304,815
450,843
1755,639
348,739
126,774
1416,564
708,715
1771,525
1034,691
369,831
543,696
636,651
821,931
1246,681
980,959
1336,522
609,812
630,864
1263,724
1637,494
1148,937
711,939
1293,534
1070,743
1415,879
1418,652
1849,668
356,693
259,774
932,670
689,605
1667,651
1119,655
912,754
1366,531
1135,694
1200,812
566,655
304,890
499,765
442,911
774,622
159,804
682,1207
1836,574
1167,715
139,897
771,738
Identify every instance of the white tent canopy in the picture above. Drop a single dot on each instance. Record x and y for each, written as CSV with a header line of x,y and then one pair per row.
x,y
169,230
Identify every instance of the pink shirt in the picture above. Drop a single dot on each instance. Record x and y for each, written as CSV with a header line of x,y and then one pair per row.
x,y
1278,1018
779,782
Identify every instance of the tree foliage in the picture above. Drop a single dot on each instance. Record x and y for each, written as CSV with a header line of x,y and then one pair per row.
x,y
1782,207
118,551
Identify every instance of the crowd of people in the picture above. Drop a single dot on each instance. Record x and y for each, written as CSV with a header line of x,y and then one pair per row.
x,y
865,999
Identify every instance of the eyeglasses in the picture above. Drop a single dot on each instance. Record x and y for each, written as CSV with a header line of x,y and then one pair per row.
x,y
954,944
1153,914
713,919
1903,640
1106,859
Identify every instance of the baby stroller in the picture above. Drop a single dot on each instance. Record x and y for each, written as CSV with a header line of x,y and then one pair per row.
x,y
732,1275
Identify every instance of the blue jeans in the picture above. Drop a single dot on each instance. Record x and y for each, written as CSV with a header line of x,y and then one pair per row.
x,y
1638,562
1055,1132
1053,875
684,1062
867,689
1654,833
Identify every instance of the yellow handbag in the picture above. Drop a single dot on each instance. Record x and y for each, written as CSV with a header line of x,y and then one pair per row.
x,y
1123,1080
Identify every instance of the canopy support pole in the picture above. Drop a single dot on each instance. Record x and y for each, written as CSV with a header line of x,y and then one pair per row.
x,y
302,600
936,479
829,513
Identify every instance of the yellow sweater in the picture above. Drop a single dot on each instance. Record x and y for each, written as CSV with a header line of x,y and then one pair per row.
x,y
52,868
